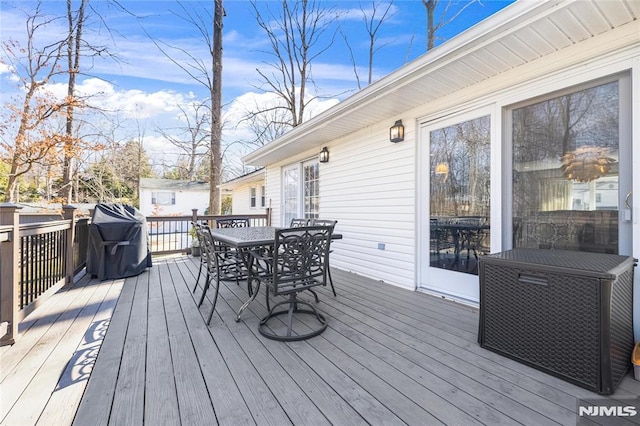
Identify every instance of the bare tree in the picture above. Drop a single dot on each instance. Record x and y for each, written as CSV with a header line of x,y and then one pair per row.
x,y
32,136
74,41
295,35
192,139
433,24
372,22
209,75
215,176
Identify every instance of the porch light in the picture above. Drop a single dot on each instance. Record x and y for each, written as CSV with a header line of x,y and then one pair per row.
x,y
585,164
396,132
324,155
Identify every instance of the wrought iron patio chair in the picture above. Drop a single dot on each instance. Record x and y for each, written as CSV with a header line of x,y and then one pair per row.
x,y
472,239
299,262
234,258
203,258
234,222
219,267
332,224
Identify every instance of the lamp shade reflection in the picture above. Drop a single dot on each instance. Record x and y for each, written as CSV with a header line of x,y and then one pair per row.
x,y
585,164
442,169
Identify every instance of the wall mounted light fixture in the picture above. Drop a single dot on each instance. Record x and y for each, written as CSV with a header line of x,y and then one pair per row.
x,y
396,132
324,155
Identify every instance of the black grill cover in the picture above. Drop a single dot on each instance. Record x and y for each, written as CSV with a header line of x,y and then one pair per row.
x,y
117,242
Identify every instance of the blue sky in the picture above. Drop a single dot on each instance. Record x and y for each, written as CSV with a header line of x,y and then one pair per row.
x,y
146,86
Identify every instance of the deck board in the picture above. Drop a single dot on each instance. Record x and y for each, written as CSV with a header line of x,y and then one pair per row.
x,y
26,384
161,397
71,385
389,356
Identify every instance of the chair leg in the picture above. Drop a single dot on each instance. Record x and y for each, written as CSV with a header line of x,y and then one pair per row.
x,y
331,282
267,293
199,273
215,299
292,308
315,295
204,290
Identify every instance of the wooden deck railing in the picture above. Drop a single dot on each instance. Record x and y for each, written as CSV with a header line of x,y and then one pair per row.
x,y
37,259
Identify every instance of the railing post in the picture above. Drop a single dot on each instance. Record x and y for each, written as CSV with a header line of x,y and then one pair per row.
x,y
268,216
194,215
69,213
9,273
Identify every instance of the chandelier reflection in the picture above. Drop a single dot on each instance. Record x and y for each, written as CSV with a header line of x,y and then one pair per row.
x,y
585,163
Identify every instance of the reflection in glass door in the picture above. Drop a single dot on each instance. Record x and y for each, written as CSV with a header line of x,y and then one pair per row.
x,y
459,195
568,178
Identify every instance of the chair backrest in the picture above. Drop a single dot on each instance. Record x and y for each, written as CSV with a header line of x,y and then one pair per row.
x,y
324,222
296,223
300,258
235,222
215,253
198,228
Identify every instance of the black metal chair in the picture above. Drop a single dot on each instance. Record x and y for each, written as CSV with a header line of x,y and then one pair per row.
x,y
234,222
203,258
296,223
332,224
219,267
299,262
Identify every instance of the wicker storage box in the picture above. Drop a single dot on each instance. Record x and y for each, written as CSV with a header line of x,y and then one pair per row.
x,y
566,313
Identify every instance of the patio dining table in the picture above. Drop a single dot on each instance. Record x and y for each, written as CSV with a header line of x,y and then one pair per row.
x,y
250,241
459,232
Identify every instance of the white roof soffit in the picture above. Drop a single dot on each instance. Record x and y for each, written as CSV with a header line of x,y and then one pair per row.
x,y
520,33
255,176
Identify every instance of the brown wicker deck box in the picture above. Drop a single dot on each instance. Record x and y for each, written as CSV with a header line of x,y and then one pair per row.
x,y
563,312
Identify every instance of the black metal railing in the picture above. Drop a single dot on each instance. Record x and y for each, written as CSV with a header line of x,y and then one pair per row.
x,y
43,248
80,244
36,259
172,234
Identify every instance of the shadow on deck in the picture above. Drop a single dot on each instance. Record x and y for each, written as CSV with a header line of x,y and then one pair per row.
x,y
138,351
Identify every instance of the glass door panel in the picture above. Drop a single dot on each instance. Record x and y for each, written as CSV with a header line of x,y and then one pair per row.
x,y
566,172
459,195
311,196
290,194
458,229
301,191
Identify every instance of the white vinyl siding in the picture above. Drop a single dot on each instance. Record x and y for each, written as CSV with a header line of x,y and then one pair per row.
x,y
369,184
241,200
184,202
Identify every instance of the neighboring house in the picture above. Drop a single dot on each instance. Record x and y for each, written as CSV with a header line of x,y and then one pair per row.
x,y
523,122
163,197
248,193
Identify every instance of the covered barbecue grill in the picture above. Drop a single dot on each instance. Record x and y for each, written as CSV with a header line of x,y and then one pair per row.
x,y
117,242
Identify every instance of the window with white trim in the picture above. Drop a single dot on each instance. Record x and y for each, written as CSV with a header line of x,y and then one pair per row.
x,y
252,197
163,198
300,191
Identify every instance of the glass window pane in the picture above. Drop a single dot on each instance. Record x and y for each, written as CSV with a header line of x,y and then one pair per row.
x,y
565,172
459,194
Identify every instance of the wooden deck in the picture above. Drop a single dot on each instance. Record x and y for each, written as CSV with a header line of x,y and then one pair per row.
x,y
137,351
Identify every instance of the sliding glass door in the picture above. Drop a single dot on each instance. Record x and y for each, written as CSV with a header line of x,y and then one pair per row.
x,y
457,226
572,170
